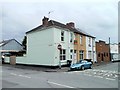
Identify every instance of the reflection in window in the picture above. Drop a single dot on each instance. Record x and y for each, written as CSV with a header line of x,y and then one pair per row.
x,y
63,54
62,35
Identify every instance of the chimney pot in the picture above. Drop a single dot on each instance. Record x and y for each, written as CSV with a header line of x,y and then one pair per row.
x,y
70,25
45,21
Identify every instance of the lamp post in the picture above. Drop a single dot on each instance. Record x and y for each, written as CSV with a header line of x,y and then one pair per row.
x,y
109,50
59,48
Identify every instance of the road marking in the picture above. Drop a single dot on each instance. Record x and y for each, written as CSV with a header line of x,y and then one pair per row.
x,y
24,76
110,79
60,85
98,76
20,75
13,74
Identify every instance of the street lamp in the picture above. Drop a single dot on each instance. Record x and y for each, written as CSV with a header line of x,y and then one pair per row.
x,y
59,48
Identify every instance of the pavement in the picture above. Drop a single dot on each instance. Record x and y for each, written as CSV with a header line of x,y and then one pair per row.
x,y
52,69
102,63
39,68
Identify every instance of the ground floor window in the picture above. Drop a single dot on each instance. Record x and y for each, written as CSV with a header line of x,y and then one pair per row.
x,y
75,54
90,54
63,54
71,54
81,54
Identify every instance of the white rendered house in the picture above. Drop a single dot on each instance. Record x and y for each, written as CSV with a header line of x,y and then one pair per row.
x,y
43,42
90,49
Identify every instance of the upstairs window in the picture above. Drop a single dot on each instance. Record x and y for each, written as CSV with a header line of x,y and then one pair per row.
x,y
81,39
71,37
93,41
62,35
89,42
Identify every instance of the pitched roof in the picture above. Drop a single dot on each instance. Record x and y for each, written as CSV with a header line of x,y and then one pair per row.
x,y
4,42
61,25
85,33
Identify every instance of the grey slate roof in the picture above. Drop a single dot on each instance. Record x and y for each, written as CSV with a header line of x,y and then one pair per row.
x,y
4,42
55,23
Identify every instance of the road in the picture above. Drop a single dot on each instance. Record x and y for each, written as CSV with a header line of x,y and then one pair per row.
x,y
98,77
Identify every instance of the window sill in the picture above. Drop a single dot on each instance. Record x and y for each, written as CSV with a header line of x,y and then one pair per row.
x,y
62,41
63,61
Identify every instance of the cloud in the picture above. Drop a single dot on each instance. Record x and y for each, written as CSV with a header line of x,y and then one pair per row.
x,y
97,18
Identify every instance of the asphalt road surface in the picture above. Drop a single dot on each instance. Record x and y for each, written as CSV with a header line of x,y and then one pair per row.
x,y
104,76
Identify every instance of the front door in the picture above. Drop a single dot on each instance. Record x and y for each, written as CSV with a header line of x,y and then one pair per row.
x,y
102,58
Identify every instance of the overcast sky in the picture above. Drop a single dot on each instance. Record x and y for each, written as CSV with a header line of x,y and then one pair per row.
x,y
97,17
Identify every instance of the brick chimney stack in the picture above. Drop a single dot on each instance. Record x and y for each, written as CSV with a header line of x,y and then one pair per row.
x,y
70,25
45,21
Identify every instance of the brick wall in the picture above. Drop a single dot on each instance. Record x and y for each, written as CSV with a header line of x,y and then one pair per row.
x,y
102,52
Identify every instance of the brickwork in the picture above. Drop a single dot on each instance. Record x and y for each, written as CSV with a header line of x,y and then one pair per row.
x,y
102,52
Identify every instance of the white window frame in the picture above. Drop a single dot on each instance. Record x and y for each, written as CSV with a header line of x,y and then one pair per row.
x,y
71,37
93,41
81,37
89,41
62,54
71,53
81,54
62,36
90,54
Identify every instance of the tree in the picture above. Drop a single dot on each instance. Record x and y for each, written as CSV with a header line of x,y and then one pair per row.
x,y
24,42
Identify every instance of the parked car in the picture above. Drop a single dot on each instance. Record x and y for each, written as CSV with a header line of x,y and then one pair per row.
x,y
83,64
115,58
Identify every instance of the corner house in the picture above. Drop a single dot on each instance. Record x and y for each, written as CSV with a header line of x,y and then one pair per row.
x,y
50,44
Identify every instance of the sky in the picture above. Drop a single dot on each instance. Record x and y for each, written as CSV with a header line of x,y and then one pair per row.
x,y
97,17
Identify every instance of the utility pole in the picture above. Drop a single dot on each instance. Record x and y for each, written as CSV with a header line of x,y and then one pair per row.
x,y
109,49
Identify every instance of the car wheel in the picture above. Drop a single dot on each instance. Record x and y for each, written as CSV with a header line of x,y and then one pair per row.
x,y
91,67
71,69
82,68
78,68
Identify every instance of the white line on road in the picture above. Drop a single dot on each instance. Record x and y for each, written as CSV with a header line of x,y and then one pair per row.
x,y
110,79
98,76
20,75
60,84
24,76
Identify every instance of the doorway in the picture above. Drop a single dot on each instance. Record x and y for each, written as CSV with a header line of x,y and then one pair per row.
x,y
102,58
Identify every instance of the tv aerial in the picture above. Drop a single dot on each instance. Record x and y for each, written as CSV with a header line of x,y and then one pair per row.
x,y
49,13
